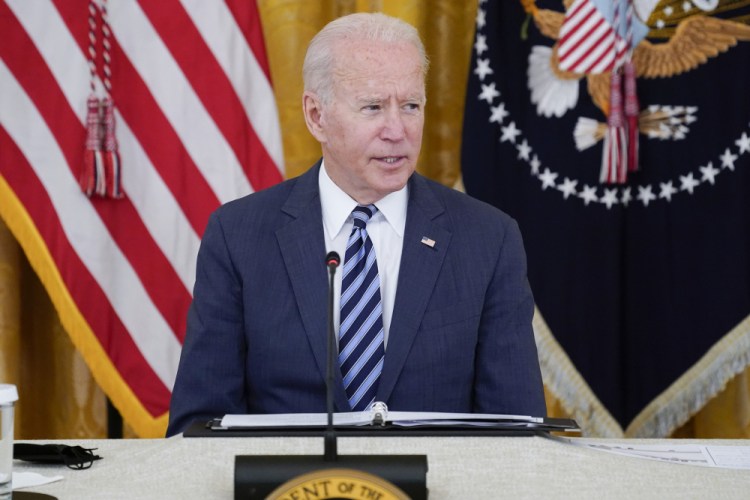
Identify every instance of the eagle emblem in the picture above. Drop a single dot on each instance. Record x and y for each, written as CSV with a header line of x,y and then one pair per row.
x,y
594,39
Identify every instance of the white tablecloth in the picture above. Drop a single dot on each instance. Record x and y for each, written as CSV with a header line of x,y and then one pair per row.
x,y
459,467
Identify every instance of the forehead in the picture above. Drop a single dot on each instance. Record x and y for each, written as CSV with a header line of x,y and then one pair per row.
x,y
370,63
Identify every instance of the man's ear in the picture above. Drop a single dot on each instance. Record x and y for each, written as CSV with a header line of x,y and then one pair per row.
x,y
312,108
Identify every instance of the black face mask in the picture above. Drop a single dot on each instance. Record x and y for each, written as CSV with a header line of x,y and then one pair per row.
x,y
74,457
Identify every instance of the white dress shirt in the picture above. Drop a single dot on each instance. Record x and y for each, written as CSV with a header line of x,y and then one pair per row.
x,y
385,230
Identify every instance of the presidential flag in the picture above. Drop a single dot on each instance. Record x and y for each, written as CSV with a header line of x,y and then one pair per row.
x,y
123,124
642,282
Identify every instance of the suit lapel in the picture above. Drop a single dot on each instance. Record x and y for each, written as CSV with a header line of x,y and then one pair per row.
x,y
420,266
302,247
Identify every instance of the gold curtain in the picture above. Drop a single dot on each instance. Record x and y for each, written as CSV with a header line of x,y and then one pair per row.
x,y
58,396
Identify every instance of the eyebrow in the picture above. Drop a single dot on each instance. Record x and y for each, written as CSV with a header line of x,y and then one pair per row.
x,y
370,100
377,99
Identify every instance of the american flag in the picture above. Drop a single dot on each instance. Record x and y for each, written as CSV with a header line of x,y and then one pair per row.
x,y
197,126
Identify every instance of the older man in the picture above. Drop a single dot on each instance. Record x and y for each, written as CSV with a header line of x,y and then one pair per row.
x,y
432,306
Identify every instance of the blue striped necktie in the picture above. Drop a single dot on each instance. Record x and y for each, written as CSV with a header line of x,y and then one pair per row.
x,y
361,345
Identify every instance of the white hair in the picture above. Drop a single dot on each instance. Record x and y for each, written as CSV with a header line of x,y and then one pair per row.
x,y
317,70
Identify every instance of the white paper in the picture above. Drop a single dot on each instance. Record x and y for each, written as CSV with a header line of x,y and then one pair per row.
x,y
294,419
28,479
458,418
728,457
402,418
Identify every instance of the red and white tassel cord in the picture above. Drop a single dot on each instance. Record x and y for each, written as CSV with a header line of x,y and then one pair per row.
x,y
92,178
615,154
620,154
632,111
111,155
101,175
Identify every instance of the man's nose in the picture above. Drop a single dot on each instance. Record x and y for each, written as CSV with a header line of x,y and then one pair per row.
x,y
393,125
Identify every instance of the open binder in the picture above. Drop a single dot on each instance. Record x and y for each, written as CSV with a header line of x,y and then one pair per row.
x,y
379,419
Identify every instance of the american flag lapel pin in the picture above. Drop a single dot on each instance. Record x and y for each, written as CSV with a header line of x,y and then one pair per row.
x,y
428,241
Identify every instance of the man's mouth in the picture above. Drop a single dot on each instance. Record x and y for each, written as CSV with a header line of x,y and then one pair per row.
x,y
390,160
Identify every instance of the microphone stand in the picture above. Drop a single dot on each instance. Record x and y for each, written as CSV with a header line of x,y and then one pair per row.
x,y
331,452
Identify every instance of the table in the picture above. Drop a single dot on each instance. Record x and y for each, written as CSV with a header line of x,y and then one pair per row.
x,y
459,467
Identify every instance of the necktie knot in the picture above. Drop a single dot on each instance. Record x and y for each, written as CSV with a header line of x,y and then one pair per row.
x,y
362,215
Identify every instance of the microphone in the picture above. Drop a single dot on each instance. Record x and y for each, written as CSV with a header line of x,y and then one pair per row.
x,y
332,261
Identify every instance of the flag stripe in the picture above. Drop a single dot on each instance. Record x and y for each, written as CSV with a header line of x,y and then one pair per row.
x,y
592,52
578,28
57,47
158,209
248,19
211,85
122,222
176,98
161,142
605,61
222,34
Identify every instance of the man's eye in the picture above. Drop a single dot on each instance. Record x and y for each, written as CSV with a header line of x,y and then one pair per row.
x,y
413,106
371,107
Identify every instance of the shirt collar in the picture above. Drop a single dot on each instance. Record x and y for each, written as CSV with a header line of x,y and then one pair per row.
x,y
337,206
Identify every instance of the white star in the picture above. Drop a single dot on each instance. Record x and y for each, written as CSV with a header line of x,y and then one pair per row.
x,y
568,187
688,183
509,133
609,198
709,173
588,194
743,143
481,18
535,164
667,190
686,6
489,92
483,68
668,11
547,178
498,113
524,150
645,195
481,45
728,159
626,196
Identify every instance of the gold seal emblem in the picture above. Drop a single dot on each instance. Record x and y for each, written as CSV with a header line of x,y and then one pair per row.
x,y
337,483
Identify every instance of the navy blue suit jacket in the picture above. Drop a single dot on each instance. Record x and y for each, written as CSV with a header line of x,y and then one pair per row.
x,y
460,338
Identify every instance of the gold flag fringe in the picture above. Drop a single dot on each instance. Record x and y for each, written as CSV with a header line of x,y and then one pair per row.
x,y
701,383
687,396
563,380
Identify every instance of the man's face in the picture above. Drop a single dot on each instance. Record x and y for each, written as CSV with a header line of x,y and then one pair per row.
x,y
371,131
